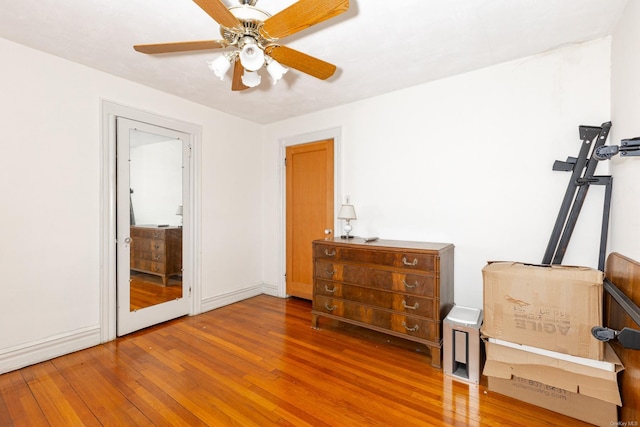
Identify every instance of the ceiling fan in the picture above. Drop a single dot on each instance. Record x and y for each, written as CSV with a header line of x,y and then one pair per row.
x,y
254,35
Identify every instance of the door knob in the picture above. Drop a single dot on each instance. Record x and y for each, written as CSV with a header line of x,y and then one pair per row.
x,y
127,240
328,231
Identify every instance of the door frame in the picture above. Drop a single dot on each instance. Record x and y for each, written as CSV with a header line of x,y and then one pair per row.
x,y
108,214
331,133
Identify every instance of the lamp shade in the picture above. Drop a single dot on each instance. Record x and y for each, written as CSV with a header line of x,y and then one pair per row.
x,y
251,57
276,70
220,66
251,78
347,212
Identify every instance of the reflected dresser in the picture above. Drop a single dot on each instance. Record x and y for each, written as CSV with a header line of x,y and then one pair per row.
x,y
157,251
401,288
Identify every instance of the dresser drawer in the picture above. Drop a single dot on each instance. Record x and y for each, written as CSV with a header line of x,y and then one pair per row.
x,y
149,256
403,324
149,245
341,253
416,261
398,260
416,284
402,303
148,233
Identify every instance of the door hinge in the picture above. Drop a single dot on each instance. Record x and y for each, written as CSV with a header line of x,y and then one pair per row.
x,y
285,161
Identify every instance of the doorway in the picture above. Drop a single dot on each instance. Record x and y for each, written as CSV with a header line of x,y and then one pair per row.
x,y
310,200
148,226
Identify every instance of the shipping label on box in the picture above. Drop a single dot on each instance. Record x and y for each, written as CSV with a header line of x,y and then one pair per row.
x,y
551,307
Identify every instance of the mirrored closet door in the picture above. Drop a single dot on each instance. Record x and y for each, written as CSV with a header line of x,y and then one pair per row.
x,y
152,203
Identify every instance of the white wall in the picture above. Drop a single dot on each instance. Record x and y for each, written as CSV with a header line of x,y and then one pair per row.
x,y
625,107
50,187
465,160
156,180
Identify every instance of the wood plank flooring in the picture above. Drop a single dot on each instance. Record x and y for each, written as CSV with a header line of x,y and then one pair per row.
x,y
147,290
254,363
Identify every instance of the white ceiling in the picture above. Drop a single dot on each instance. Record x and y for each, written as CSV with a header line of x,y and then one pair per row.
x,y
378,46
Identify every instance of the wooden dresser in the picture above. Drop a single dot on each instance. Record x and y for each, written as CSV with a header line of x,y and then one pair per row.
x,y
157,250
400,288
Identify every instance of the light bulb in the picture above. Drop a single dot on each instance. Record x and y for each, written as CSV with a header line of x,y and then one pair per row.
x,y
251,57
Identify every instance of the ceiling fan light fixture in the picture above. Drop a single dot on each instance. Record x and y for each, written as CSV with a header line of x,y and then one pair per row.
x,y
251,78
275,70
220,65
251,57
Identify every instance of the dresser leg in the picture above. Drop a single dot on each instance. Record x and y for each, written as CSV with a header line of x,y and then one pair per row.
x,y
436,358
314,321
165,280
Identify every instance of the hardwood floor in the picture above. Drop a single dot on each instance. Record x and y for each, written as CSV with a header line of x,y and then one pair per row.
x,y
257,362
147,290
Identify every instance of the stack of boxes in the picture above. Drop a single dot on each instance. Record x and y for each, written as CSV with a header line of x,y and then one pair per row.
x,y
538,342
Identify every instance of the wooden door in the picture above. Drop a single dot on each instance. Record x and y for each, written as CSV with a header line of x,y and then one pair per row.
x,y
309,207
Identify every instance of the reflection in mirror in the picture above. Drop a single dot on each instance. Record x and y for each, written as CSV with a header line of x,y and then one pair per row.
x,y
155,171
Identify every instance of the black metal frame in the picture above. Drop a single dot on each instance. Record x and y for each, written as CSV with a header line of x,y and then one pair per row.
x,y
583,167
582,178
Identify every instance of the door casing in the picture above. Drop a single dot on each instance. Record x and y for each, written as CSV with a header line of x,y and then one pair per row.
x,y
108,214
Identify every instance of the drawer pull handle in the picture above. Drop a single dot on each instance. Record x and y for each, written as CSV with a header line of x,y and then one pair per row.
x,y
156,235
330,273
156,246
405,262
326,288
410,307
408,286
413,329
157,257
332,253
333,307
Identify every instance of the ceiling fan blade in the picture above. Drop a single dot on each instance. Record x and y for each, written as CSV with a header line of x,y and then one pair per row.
x,y
301,61
301,15
236,83
219,12
180,46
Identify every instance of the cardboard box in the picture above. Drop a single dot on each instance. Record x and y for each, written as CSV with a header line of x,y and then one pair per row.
x,y
578,390
550,307
573,405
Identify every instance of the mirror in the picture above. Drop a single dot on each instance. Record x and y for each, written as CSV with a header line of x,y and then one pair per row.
x,y
155,171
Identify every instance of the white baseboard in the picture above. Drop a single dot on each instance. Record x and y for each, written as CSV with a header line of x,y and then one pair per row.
x,y
231,297
270,289
48,348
